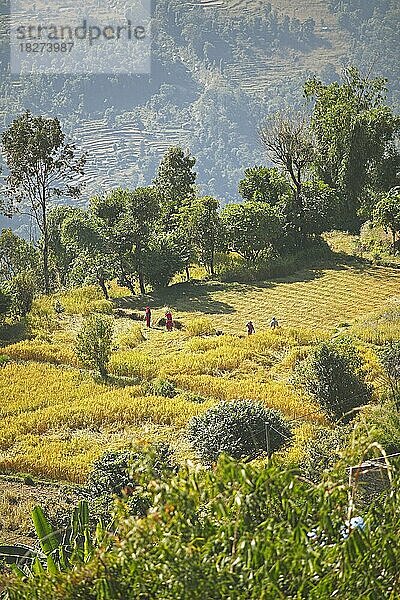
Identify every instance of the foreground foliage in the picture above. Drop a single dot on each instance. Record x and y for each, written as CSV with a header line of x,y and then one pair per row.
x,y
239,532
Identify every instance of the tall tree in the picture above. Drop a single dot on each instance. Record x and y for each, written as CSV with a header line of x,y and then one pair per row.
x,y
387,213
251,228
263,184
204,228
41,165
127,220
16,255
175,184
82,235
289,145
61,255
355,136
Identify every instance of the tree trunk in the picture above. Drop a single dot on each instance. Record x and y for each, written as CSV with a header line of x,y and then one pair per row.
x,y
141,283
212,264
104,289
187,270
46,264
130,286
394,240
126,281
45,230
103,371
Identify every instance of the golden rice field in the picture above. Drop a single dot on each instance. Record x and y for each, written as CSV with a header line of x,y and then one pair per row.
x,y
56,418
313,298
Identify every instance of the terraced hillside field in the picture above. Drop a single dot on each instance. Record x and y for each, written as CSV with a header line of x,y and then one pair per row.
x,y
55,419
309,298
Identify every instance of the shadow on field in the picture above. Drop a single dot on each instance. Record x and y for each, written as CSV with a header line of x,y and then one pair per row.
x,y
198,296
183,297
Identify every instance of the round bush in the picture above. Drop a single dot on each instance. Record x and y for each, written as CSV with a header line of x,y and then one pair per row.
x,y
333,374
237,428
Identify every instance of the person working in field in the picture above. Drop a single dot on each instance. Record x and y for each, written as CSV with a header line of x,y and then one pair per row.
x,y
274,323
148,317
169,324
250,328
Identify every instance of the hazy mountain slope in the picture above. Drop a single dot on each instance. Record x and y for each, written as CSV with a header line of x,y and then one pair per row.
x,y
219,66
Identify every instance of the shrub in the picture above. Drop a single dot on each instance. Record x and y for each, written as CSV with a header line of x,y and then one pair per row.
x,y
5,304
121,473
4,360
210,534
333,375
94,341
237,428
161,387
322,451
199,326
22,289
390,358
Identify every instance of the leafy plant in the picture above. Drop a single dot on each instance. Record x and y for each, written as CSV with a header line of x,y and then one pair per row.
x,y
120,474
390,358
94,343
333,375
161,387
241,428
211,532
60,550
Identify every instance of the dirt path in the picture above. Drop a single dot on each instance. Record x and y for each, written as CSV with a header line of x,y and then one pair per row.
x,y
17,500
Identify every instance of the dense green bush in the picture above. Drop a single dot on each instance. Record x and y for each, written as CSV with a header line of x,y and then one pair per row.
x,y
323,451
390,358
5,304
233,268
94,343
237,428
333,375
112,476
22,289
120,474
243,533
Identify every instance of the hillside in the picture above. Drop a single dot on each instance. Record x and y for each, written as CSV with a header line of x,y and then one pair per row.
x,y
57,417
60,427
218,68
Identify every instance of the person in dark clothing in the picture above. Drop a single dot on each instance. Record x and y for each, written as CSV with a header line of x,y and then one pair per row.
x,y
148,317
250,328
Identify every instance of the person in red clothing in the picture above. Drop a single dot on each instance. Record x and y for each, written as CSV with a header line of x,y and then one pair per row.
x,y
148,317
169,322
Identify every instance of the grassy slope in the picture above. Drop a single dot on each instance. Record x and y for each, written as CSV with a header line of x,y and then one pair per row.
x,y
310,298
56,412
54,420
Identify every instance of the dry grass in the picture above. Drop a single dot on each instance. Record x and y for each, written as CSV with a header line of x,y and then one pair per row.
x,y
55,420
311,299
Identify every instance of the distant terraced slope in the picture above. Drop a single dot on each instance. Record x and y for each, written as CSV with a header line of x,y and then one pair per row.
x,y
264,70
114,151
